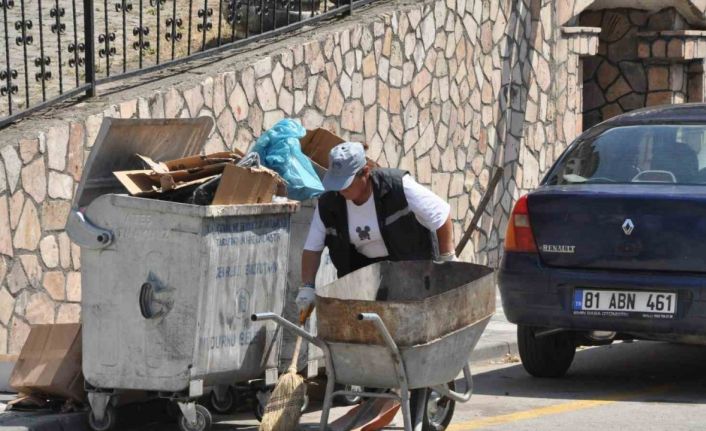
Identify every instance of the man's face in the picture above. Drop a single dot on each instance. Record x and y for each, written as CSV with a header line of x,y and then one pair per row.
x,y
358,187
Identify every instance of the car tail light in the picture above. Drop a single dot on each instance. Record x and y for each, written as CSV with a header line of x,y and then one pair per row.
x,y
519,237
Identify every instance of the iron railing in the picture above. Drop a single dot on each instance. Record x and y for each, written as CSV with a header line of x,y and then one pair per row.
x,y
55,50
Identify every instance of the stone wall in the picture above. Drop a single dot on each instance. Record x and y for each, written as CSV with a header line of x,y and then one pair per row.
x,y
621,78
447,89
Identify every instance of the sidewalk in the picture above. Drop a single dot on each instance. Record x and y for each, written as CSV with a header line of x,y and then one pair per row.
x,y
499,339
497,342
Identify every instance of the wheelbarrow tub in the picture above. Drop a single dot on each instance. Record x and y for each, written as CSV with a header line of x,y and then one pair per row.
x,y
419,302
430,364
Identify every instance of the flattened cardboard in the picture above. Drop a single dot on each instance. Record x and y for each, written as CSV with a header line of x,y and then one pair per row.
x,y
50,363
245,186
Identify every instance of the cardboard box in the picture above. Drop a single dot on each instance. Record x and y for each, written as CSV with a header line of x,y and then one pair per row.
x,y
317,145
50,363
246,186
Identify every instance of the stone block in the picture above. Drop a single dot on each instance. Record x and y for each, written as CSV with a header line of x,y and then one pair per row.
x,y
54,284
69,313
658,78
28,229
75,151
7,304
73,286
40,309
57,145
49,250
16,278
32,268
60,186
13,165
18,335
34,180
5,233
29,148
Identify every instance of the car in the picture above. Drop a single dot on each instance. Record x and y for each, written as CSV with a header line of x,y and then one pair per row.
x,y
612,244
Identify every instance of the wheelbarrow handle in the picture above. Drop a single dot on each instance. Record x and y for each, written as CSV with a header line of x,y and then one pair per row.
x,y
456,396
287,325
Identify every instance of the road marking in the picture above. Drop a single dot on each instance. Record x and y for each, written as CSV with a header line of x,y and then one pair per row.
x,y
553,410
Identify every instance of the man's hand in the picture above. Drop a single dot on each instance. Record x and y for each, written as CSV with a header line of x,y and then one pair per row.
x,y
305,298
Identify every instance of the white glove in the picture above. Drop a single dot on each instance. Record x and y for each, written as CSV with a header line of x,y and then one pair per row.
x,y
305,298
447,257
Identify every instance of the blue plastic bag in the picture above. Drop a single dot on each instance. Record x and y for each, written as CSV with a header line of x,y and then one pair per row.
x,y
279,150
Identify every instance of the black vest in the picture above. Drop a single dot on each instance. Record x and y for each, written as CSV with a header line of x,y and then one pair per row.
x,y
404,237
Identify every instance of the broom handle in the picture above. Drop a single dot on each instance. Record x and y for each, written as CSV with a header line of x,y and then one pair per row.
x,y
303,317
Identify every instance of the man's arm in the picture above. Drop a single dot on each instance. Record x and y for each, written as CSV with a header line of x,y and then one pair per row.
x,y
310,266
445,236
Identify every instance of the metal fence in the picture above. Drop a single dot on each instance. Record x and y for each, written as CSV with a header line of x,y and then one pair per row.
x,y
60,49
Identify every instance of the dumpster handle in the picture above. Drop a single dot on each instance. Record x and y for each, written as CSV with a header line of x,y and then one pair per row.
x,y
458,397
286,324
86,234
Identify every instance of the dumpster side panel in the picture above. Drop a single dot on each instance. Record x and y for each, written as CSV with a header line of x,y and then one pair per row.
x,y
245,273
153,253
327,274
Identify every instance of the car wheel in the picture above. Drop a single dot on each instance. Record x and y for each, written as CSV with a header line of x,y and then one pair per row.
x,y
546,356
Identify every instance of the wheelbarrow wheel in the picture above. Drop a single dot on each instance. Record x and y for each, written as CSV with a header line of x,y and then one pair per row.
x,y
108,422
438,411
203,420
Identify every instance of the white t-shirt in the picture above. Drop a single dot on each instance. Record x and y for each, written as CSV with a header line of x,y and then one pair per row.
x,y
363,229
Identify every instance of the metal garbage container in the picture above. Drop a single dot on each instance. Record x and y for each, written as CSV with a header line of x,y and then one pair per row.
x,y
168,287
310,356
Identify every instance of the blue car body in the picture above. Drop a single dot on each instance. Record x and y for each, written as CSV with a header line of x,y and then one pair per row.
x,y
620,216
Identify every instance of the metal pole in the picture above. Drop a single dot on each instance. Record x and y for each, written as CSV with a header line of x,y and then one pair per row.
x,y
90,49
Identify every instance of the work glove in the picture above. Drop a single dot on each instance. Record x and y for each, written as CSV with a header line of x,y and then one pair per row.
x,y
305,299
447,257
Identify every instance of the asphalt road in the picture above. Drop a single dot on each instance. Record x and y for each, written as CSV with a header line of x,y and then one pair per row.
x,y
627,386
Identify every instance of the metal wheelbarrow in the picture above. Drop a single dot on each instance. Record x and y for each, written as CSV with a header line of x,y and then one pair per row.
x,y
401,325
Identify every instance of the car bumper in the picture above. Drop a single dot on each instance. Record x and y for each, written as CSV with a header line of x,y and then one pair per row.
x,y
536,295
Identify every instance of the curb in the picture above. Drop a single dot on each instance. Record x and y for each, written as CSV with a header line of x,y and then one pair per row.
x,y
494,351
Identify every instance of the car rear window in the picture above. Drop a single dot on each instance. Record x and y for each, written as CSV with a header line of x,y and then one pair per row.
x,y
656,154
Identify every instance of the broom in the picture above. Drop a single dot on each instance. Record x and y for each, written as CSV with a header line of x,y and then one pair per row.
x,y
284,408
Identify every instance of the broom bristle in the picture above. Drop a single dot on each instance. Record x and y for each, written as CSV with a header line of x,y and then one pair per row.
x,y
283,410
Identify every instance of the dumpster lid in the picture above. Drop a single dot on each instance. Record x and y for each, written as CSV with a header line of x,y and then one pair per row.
x,y
119,141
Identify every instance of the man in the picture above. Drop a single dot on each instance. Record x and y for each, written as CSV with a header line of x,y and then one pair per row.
x,y
371,214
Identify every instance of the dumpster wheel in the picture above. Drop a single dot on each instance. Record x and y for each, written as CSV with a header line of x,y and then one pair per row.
x,y
203,420
108,422
227,405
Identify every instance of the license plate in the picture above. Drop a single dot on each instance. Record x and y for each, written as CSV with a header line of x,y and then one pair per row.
x,y
624,303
